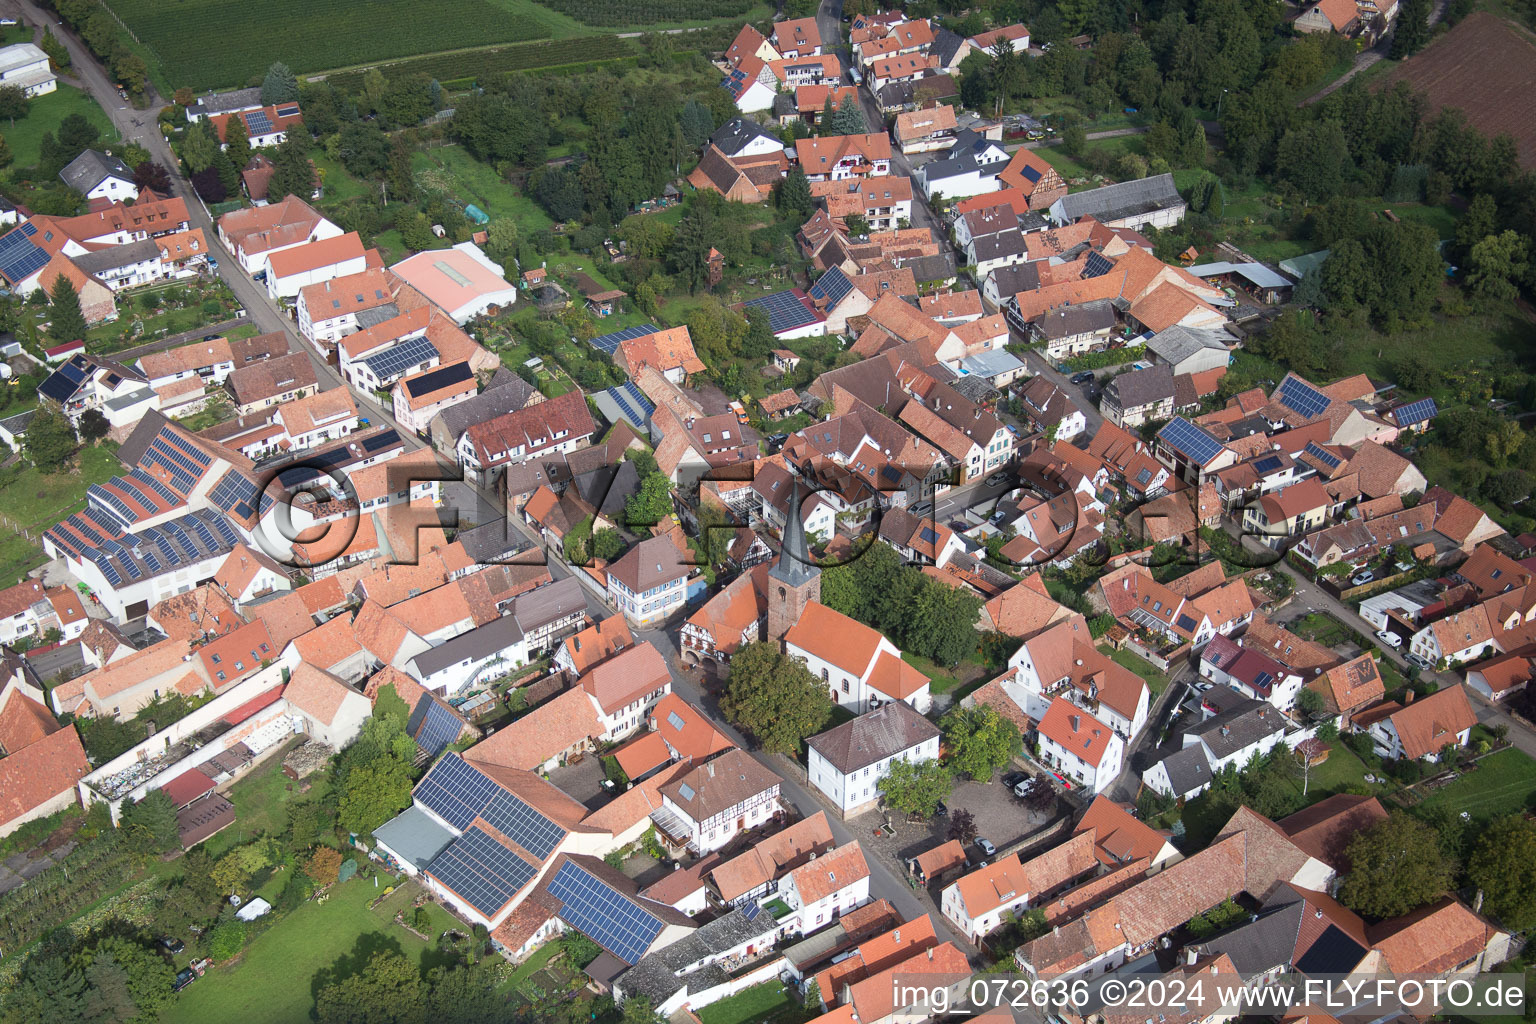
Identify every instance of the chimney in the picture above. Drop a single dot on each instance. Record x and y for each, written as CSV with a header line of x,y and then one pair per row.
x,y
1191,955
1408,696
1226,731
930,948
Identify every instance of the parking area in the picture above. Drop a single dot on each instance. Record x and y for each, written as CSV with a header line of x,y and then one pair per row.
x,y
1001,818
583,781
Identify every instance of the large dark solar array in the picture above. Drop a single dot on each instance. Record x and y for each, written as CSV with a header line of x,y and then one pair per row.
x,y
1302,398
1415,412
1190,440
1267,464
433,726
290,110
602,914
1031,174
1322,455
154,549
629,398
258,123
148,484
66,380
235,494
381,441
183,460
831,287
407,355
20,257
785,311
442,377
481,870
459,794
609,343
1187,624
1097,266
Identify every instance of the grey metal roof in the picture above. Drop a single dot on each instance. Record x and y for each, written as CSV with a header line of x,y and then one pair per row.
x,y
129,400
932,268
873,736
1177,343
1256,274
1266,942
1188,769
656,975
1300,266
1070,321
496,635
543,605
1125,199
414,836
510,395
945,45
991,362
91,168
18,423
142,251
375,315
1239,726
963,158
222,102
491,541
738,133
1143,387
1000,245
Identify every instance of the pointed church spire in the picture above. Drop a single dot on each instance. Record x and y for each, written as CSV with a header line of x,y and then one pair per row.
x,y
794,566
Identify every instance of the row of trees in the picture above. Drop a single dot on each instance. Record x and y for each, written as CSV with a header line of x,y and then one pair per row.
x,y
919,614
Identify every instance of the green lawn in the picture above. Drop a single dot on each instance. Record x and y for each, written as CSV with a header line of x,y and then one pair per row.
x,y
758,1003
261,800
1342,769
1071,168
1503,783
18,556
46,114
470,181
119,334
1157,681
272,981
940,680
339,183
31,498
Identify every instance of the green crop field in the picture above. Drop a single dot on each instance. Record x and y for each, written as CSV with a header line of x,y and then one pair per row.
x,y
647,12
212,43
479,63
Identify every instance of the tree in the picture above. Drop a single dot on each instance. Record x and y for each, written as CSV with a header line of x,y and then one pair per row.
x,y
1496,263
155,817
416,231
237,142
210,185
200,146
1503,866
66,322
1005,69
979,741
857,224
13,103
848,118
775,698
792,195
697,124
651,504
58,53
1396,866
280,85
388,990
375,793
324,865
6,156
363,149
1310,702
962,826
916,787
93,426
640,1010
1412,30
226,940
153,176
1074,138
292,173
607,544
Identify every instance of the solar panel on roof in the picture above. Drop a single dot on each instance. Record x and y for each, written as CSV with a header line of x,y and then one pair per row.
x,y
929,535
831,287
1322,455
290,110
1415,412
609,343
258,122
20,257
785,310
1267,464
1190,440
454,791
1187,624
1302,398
1096,266
481,870
232,491
378,442
1031,174
407,355
751,910
603,914
439,728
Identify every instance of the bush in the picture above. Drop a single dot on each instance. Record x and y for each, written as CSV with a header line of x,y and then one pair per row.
x,y
226,940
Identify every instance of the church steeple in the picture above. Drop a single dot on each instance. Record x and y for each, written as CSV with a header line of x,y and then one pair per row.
x,y
794,581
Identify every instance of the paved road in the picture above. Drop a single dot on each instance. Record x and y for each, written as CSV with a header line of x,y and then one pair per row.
x,y
1086,400
128,355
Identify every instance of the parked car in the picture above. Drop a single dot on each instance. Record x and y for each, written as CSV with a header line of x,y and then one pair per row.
x,y
1082,378
996,478
921,509
1063,368
1389,638
1418,659
1014,778
941,809
172,946
1025,788
1403,566
985,846
1362,577
184,977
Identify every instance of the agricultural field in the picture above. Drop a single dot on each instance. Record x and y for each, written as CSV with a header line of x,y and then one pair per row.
x,y
1473,66
464,65
630,13
211,44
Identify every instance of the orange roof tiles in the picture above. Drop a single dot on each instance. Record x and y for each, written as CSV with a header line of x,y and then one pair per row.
x,y
773,857
543,733
315,255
